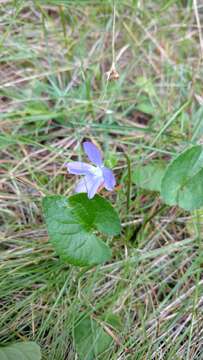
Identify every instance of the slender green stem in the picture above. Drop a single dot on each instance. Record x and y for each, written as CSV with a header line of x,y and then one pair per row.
x,y
129,181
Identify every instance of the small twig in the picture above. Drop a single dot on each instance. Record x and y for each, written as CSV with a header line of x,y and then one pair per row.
x,y
199,26
113,33
112,74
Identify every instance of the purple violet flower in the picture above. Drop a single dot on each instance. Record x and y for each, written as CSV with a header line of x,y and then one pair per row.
x,y
95,177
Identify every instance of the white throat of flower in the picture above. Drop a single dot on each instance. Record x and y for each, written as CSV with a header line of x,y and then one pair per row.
x,y
97,171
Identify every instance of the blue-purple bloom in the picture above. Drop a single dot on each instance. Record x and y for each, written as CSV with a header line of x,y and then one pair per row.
x,y
95,177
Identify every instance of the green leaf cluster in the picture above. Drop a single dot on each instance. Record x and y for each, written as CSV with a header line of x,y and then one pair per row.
x,y
180,183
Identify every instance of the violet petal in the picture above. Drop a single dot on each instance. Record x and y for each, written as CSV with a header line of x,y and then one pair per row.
x,y
79,168
109,179
89,184
93,153
95,184
81,186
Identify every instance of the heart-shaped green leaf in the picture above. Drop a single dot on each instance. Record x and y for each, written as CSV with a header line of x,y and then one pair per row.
x,y
90,339
72,223
191,194
182,183
21,351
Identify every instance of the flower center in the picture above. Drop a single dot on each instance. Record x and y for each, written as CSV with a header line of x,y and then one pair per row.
x,y
97,171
